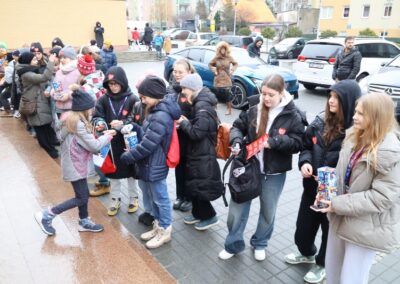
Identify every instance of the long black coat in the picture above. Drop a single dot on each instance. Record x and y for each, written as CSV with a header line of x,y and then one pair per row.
x,y
347,65
203,175
123,104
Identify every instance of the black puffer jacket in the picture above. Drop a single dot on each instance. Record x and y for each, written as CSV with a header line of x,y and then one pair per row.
x,y
253,50
285,136
315,151
117,107
203,175
347,65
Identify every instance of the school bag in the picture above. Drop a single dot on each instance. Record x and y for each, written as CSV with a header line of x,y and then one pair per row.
x,y
173,154
222,148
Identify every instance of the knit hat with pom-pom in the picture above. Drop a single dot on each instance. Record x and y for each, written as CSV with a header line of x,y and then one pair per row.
x,y
86,64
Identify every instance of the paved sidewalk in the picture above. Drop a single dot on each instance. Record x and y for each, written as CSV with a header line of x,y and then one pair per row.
x,y
30,179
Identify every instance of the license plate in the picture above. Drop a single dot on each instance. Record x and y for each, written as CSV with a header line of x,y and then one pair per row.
x,y
316,65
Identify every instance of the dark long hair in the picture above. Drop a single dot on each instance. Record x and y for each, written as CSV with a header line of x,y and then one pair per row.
x,y
276,83
334,122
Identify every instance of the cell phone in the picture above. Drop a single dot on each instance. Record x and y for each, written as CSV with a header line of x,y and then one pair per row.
x,y
316,208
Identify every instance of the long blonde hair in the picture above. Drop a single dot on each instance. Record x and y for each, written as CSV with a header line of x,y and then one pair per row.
x,y
74,117
378,112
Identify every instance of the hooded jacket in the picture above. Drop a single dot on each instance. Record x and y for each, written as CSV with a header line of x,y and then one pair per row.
x,y
369,214
109,58
223,65
315,151
203,175
119,106
33,85
285,135
154,140
253,50
347,65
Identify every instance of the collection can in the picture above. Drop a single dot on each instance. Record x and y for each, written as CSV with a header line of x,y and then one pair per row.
x,y
131,140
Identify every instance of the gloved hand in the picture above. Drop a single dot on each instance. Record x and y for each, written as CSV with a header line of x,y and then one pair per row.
x,y
127,158
127,129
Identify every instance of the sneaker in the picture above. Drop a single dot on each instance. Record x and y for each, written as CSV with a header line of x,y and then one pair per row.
x,y
44,220
146,218
206,224
17,114
224,255
190,220
99,189
259,254
133,205
298,258
115,205
315,275
177,204
186,206
87,225
150,234
163,236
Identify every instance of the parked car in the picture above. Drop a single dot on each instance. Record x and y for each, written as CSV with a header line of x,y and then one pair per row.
x,y
180,34
386,80
289,47
237,41
170,31
314,65
198,38
247,78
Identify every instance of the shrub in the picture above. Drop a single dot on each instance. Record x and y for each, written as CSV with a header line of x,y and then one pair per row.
x,y
367,32
328,33
244,31
294,32
268,33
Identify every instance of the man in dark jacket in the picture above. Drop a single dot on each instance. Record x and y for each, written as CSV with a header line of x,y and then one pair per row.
x,y
254,48
348,61
99,31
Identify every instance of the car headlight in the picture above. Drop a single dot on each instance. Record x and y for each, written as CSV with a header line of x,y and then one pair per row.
x,y
258,83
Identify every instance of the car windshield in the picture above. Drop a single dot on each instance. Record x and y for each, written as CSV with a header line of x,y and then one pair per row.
x,y
288,41
395,62
206,36
320,50
242,57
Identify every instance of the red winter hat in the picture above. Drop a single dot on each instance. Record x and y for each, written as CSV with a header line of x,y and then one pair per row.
x,y
86,65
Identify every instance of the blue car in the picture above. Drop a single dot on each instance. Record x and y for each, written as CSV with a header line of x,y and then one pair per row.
x,y
247,78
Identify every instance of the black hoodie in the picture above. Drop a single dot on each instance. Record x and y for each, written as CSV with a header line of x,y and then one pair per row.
x,y
253,50
315,152
116,107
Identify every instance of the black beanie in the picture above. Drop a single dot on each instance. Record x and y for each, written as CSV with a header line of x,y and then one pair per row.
x,y
81,100
56,51
153,87
36,47
26,58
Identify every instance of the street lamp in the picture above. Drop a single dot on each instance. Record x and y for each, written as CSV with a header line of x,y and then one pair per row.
x,y
234,19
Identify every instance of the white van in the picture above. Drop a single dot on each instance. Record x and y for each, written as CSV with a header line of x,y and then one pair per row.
x,y
314,65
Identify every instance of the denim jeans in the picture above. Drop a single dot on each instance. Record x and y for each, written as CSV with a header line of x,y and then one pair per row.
x,y
238,215
103,180
80,200
160,202
146,198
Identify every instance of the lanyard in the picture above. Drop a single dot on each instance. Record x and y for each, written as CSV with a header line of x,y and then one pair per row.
x,y
355,156
120,109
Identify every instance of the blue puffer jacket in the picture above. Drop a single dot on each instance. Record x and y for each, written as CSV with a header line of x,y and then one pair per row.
x,y
109,58
155,137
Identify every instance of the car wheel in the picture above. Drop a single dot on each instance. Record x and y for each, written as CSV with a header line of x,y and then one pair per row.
x,y
290,55
309,86
239,95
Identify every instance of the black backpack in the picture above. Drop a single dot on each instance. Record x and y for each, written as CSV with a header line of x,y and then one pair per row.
x,y
244,178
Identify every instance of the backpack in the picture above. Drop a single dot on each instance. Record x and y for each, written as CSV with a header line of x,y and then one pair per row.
x,y
173,154
222,148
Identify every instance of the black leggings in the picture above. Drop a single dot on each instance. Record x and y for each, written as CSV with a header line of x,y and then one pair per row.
x,y
47,139
224,94
80,200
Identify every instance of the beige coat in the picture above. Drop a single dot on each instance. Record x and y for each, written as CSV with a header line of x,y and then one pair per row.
x,y
223,65
369,214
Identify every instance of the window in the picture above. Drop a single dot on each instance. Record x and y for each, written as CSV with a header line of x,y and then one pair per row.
x,y
208,56
392,51
326,12
377,50
346,12
388,10
366,9
196,54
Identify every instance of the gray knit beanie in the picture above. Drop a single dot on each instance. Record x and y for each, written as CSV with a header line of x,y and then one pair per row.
x,y
193,82
68,51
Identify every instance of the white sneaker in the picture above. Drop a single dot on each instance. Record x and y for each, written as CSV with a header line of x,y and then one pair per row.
x,y
163,236
224,255
150,234
17,114
259,254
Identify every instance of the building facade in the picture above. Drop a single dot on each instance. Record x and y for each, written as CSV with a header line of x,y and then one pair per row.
x,y
26,21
